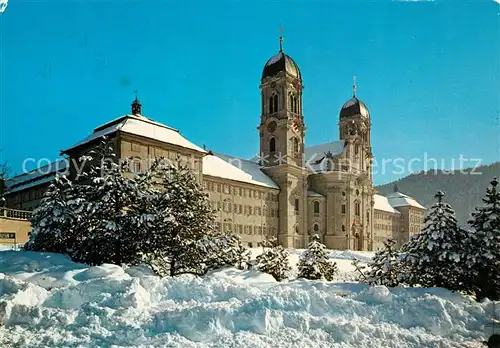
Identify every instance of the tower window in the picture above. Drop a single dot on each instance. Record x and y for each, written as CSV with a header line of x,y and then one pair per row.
x,y
357,210
356,149
293,105
296,146
296,205
343,228
316,227
273,103
316,208
343,209
272,145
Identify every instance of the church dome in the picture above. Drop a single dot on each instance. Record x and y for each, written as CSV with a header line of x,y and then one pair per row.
x,y
281,62
354,107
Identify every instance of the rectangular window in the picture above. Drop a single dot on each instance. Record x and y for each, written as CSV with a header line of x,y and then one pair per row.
x,y
343,209
218,188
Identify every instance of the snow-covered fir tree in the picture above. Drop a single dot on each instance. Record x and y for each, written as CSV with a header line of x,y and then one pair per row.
x,y
314,263
105,234
435,257
274,261
53,220
484,247
383,269
181,224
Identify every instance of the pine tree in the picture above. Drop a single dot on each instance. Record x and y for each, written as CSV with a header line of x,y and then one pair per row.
x,y
435,257
383,271
484,249
53,220
104,235
274,261
315,264
182,223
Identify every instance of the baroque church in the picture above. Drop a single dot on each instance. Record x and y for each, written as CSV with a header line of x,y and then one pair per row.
x,y
290,191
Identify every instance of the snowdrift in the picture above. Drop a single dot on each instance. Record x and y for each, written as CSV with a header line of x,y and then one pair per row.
x,y
48,301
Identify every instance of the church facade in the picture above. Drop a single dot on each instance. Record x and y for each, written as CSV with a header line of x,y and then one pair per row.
x,y
290,191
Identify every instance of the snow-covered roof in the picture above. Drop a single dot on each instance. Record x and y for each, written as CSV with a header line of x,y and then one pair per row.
x,y
37,176
313,194
316,152
382,203
236,169
398,199
141,126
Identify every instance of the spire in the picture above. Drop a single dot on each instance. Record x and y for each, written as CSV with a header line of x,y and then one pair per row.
x,y
281,38
136,105
354,87
439,195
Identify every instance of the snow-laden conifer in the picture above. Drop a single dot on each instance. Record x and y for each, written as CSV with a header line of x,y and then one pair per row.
x,y
315,263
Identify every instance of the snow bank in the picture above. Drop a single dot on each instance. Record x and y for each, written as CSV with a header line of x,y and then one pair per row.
x,y
48,301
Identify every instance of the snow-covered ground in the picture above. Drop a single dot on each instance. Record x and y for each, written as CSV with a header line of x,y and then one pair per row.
x,y
48,301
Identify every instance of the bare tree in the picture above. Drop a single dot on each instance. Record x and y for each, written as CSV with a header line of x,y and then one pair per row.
x,y
4,173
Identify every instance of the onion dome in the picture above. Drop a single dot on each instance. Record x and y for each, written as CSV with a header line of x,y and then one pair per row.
x,y
279,63
354,106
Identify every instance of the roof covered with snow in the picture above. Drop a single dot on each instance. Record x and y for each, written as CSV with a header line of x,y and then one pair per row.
x,y
316,157
237,169
41,175
313,194
398,199
382,203
141,126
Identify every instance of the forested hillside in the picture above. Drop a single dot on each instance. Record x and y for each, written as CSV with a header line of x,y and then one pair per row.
x,y
464,189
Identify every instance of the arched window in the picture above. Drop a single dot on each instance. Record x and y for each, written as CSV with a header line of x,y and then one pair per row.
x,y
272,145
273,103
316,207
356,149
316,228
295,146
357,210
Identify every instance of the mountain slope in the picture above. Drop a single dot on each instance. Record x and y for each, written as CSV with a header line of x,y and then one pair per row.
x,y
464,189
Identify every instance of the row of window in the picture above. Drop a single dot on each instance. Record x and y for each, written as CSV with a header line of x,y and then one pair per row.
x,y
416,218
245,229
239,191
384,227
273,103
28,195
229,207
381,216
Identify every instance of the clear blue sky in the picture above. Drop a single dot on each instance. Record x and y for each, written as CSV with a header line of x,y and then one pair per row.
x,y
428,71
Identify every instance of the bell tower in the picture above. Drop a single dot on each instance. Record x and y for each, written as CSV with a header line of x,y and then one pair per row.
x,y
282,128
354,129
282,135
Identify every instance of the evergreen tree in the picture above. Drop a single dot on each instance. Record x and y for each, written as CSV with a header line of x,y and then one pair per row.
x,y
484,249
383,271
314,263
182,223
53,220
274,261
104,235
436,257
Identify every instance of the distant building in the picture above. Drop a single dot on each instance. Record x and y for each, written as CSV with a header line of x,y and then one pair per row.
x,y
289,191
